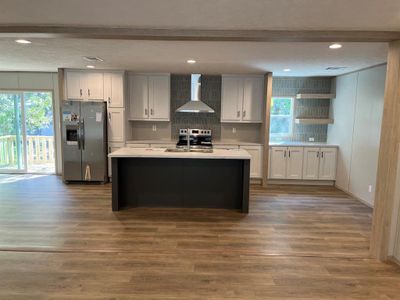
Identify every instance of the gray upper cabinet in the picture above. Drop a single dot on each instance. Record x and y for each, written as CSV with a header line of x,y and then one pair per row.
x,y
242,99
149,97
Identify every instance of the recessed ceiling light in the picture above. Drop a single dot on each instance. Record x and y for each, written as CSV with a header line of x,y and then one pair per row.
x,y
21,41
191,61
335,46
90,67
287,70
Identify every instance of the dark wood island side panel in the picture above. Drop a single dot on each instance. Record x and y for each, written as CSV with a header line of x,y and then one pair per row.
x,y
180,182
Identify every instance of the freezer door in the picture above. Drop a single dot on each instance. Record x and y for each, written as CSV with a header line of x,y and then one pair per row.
x,y
72,164
94,139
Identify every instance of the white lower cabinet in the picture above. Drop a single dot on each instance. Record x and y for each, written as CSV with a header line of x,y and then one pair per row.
x,y
294,163
311,163
302,163
327,164
256,160
277,163
111,148
286,163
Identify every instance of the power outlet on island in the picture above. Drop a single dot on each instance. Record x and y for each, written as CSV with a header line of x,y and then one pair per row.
x,y
370,188
154,127
233,129
311,139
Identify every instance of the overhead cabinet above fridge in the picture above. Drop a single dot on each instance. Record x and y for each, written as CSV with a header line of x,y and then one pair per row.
x,y
82,85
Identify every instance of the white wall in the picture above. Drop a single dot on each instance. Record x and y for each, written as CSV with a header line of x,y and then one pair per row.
x,y
37,81
357,111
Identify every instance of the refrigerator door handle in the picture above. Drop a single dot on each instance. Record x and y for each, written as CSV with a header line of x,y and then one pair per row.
x,y
83,134
78,131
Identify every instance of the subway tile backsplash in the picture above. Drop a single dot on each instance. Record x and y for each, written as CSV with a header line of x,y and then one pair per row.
x,y
306,108
210,94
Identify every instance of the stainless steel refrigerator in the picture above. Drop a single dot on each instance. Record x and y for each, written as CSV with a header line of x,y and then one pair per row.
x,y
84,132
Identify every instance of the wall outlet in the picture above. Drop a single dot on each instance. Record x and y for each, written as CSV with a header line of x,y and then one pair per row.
x,y
154,127
233,130
311,139
370,188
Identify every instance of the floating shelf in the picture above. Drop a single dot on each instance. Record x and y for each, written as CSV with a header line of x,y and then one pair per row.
x,y
309,121
315,96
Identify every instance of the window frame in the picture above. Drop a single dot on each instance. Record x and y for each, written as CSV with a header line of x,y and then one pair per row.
x,y
291,117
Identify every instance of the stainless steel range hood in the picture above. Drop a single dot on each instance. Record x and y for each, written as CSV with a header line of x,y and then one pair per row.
x,y
195,105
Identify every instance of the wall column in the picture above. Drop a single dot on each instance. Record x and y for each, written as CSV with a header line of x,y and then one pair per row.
x,y
388,157
268,96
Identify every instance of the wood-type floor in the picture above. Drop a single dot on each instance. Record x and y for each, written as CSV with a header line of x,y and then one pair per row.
x,y
63,242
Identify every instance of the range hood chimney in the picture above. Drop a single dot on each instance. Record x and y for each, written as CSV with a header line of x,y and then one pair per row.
x,y
195,105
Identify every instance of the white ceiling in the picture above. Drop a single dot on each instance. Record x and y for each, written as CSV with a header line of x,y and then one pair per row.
x,y
304,59
208,14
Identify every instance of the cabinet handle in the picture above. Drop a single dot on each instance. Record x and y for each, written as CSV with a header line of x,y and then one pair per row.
x,y
318,154
244,113
80,92
289,153
322,154
284,153
238,114
109,116
145,111
88,91
109,100
151,111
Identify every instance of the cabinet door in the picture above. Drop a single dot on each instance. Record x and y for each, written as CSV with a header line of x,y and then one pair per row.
x,y
253,99
294,165
255,161
116,132
278,162
231,99
139,97
159,97
327,164
114,89
111,148
94,86
311,163
73,85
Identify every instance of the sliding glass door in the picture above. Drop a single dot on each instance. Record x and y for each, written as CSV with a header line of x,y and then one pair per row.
x,y
12,158
26,132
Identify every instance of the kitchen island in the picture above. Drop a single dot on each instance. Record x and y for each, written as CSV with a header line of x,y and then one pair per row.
x,y
154,177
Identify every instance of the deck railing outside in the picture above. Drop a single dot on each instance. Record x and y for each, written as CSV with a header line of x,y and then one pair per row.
x,y
40,149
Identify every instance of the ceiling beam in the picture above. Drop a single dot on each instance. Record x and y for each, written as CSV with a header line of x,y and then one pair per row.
x,y
127,33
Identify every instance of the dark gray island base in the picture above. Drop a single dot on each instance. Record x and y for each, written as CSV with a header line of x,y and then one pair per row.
x,y
180,182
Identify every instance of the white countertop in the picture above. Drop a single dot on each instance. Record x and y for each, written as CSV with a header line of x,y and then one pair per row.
x,y
215,142
302,144
233,142
161,153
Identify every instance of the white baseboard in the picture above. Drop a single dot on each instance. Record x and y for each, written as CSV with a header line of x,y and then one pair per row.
x,y
355,197
301,182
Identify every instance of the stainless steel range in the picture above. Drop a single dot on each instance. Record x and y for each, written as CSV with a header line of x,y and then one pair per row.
x,y
194,140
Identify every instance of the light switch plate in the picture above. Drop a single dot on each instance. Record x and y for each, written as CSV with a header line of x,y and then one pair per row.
x,y
311,139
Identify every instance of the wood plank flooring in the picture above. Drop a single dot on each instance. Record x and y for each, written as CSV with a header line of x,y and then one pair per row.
x,y
63,242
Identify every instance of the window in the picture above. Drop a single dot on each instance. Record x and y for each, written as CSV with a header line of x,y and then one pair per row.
x,y
281,124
